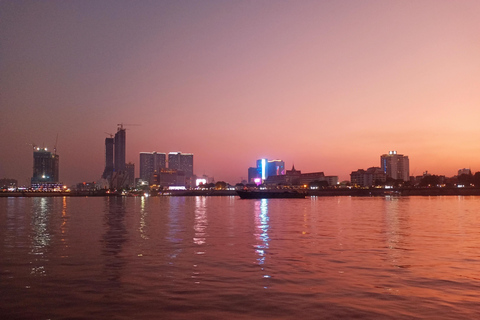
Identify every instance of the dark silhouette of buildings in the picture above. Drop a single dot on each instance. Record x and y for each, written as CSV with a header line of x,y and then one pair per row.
x,y
118,174
296,177
120,149
108,172
130,172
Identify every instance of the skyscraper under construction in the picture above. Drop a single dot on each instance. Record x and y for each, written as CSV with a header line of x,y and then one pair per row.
x,y
120,148
45,166
115,165
108,172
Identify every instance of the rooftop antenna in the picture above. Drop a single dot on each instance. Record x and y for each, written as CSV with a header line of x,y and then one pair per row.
x,y
55,146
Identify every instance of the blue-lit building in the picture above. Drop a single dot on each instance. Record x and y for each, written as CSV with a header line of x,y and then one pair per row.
x,y
275,168
264,169
395,166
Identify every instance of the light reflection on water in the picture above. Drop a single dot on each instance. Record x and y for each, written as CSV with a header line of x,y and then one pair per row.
x,y
143,221
213,257
113,240
261,222
40,237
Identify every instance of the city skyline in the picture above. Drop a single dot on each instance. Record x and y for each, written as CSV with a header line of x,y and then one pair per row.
x,y
326,86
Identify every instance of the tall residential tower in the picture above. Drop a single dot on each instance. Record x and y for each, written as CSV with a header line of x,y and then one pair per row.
x,y
395,166
150,163
181,161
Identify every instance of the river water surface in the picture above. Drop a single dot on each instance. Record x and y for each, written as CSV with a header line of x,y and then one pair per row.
x,y
227,258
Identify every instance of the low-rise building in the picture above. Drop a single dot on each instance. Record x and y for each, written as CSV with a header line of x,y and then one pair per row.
x,y
296,177
367,178
168,177
464,171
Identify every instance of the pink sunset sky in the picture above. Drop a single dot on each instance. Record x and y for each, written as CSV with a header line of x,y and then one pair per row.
x,y
325,85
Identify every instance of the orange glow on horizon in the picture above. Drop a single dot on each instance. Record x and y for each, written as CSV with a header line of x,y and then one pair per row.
x,y
327,86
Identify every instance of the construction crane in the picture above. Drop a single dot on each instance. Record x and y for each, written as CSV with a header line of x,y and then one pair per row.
x,y
110,134
121,125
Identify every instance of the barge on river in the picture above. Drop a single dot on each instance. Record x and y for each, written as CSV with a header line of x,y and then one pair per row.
x,y
271,194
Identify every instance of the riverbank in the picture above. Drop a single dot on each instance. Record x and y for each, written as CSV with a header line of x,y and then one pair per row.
x,y
353,192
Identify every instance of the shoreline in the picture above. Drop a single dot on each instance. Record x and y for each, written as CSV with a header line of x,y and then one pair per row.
x,y
373,192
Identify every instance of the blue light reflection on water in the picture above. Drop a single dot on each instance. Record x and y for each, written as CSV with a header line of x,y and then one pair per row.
x,y
262,226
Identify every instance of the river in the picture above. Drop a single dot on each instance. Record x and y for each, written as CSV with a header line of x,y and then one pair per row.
x,y
227,258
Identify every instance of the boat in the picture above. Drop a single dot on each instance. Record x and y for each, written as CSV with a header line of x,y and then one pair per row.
x,y
271,194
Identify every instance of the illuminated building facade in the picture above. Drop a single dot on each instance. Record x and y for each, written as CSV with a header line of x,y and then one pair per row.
x,y
151,162
395,166
168,177
266,168
253,174
45,167
275,168
8,183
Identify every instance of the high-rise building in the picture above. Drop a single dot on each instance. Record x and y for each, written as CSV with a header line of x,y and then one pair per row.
x,y
108,172
253,174
262,168
275,168
181,161
395,166
118,174
266,168
120,149
130,177
45,166
151,162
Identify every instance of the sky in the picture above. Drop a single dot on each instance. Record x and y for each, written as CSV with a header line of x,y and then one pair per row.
x,y
324,85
